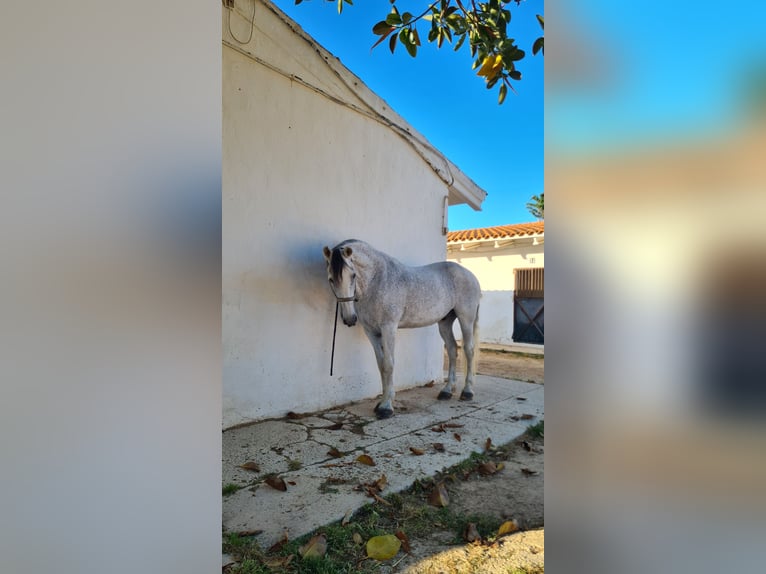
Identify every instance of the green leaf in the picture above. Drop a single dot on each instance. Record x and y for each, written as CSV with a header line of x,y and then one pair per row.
x,y
406,17
502,94
460,42
340,6
415,37
383,37
515,74
394,19
406,38
383,547
541,20
392,43
538,46
517,55
298,2
381,28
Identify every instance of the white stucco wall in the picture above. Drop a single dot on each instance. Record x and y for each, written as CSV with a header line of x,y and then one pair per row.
x,y
494,269
301,171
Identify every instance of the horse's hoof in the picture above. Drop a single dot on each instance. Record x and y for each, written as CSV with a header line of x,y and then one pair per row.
x,y
466,396
444,396
383,413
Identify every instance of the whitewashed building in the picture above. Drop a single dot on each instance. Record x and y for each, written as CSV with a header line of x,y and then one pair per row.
x,y
509,261
307,156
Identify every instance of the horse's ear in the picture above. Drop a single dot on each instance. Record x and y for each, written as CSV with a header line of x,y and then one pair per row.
x,y
326,252
347,252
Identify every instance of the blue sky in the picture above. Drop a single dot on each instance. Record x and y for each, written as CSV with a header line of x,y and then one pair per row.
x,y
499,147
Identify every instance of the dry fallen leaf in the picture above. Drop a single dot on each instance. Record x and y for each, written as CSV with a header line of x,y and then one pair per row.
x,y
314,548
280,563
371,492
439,428
291,482
294,416
508,527
250,465
279,543
381,483
417,451
439,447
439,496
429,384
334,452
521,398
383,547
528,472
452,425
526,417
347,517
487,468
471,533
365,459
457,437
357,538
526,446
243,533
336,426
276,482
488,445
405,541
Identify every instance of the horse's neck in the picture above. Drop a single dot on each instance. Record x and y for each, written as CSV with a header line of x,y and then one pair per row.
x,y
370,263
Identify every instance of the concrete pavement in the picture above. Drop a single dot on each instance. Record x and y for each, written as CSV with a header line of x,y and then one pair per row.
x,y
320,487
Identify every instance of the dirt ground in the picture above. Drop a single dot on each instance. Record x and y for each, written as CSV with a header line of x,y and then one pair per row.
x,y
511,494
506,364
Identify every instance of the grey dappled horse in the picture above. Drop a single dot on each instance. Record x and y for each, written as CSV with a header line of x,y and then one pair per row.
x,y
386,295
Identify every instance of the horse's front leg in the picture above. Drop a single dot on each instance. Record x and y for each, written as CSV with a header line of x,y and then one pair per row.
x,y
383,344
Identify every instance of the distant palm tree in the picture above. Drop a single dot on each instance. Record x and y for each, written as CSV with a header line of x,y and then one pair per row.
x,y
537,206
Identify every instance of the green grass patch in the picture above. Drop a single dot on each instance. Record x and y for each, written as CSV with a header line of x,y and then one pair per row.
x,y
537,430
230,488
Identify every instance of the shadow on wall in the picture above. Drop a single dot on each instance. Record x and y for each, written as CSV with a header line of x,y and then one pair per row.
x,y
294,275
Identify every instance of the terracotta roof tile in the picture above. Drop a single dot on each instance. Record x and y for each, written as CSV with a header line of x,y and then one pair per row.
x,y
498,232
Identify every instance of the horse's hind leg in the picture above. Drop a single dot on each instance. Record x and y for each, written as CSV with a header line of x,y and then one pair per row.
x,y
468,327
445,330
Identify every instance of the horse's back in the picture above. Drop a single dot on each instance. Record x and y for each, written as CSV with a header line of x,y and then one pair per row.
x,y
463,279
451,281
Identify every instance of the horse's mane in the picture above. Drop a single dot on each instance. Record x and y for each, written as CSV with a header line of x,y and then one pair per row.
x,y
336,263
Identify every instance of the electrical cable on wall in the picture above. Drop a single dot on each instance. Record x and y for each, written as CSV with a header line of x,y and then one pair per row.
x,y
230,7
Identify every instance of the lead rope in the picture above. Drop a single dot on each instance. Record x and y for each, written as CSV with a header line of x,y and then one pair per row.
x,y
334,329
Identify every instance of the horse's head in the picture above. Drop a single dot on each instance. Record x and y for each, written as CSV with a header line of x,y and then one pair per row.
x,y
341,274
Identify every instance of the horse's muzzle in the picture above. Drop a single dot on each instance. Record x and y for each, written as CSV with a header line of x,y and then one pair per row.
x,y
350,322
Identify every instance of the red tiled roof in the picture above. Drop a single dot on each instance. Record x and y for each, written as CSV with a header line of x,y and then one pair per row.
x,y
499,232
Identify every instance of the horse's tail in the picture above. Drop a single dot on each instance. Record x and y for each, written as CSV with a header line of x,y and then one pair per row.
x,y
476,346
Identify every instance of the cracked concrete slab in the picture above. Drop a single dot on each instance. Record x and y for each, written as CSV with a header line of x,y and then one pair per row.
x,y
321,488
